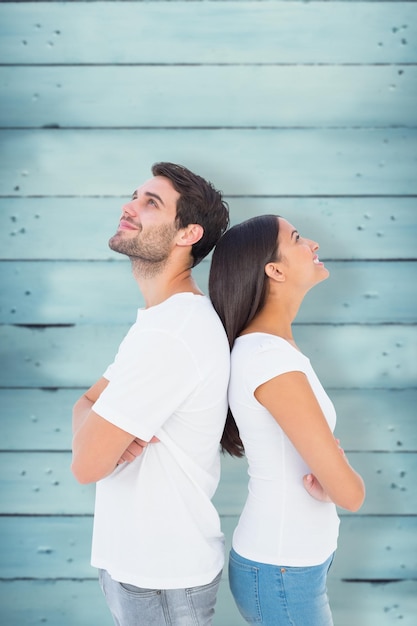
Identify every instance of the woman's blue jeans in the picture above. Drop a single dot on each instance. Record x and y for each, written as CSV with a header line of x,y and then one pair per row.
x,y
280,596
135,606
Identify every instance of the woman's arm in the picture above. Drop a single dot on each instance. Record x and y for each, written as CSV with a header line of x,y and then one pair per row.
x,y
291,401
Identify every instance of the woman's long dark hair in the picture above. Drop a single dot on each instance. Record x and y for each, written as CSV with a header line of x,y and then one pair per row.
x,y
238,287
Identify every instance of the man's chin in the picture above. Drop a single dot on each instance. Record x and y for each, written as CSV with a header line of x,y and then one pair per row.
x,y
116,245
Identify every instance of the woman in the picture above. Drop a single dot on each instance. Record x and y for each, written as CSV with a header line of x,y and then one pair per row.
x,y
282,419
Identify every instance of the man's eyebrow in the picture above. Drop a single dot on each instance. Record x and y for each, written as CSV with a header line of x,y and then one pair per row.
x,y
149,194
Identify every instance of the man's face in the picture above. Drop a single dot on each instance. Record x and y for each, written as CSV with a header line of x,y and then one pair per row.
x,y
147,228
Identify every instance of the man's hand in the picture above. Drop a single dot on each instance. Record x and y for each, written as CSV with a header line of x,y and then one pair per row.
x,y
135,449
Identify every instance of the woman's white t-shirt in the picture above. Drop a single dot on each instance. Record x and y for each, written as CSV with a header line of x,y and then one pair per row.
x,y
281,524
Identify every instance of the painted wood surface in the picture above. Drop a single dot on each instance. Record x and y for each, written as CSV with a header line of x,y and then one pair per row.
x,y
347,228
208,32
61,293
254,96
380,420
42,482
59,547
373,356
307,110
70,603
277,161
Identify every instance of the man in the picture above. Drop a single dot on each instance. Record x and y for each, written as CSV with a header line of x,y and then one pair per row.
x,y
157,541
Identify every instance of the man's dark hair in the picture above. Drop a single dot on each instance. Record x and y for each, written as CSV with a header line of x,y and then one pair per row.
x,y
199,203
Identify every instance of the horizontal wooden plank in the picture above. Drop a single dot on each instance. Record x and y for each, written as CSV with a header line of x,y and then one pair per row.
x,y
369,548
346,96
46,547
368,604
389,480
240,161
26,603
212,32
41,483
377,548
354,356
36,419
381,420
45,481
373,548
346,228
60,293
368,419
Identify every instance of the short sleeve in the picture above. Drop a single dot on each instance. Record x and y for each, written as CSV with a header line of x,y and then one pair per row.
x,y
152,375
273,360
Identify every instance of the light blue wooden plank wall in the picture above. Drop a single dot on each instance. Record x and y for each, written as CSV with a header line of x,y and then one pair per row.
x,y
307,109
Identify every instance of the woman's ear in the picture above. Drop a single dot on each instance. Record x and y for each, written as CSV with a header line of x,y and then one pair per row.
x,y
273,271
189,235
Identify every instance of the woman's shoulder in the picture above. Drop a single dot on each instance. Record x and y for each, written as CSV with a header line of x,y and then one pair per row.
x,y
258,342
253,353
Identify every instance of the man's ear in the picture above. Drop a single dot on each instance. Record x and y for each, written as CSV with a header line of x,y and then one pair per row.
x,y
273,271
189,235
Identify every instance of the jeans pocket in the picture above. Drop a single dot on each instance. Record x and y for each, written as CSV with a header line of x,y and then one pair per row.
x,y
244,585
139,591
202,600
213,585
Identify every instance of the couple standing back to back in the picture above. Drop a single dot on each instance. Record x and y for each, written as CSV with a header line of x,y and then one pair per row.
x,y
148,431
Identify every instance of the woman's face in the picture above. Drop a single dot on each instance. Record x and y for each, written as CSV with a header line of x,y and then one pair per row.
x,y
298,257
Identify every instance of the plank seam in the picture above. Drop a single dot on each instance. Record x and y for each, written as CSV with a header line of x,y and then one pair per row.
x,y
226,196
207,128
220,64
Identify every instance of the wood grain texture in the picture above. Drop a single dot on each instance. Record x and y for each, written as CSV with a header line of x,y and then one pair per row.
x,y
380,420
26,603
62,293
347,228
350,356
208,32
388,478
42,482
66,603
274,161
307,110
260,96
385,547
59,547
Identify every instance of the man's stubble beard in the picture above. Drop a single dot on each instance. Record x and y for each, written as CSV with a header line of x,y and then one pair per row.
x,y
148,255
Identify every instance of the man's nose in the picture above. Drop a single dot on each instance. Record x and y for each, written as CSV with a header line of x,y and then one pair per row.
x,y
130,209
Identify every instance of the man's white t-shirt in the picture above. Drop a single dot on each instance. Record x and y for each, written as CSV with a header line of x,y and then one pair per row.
x,y
154,524
281,524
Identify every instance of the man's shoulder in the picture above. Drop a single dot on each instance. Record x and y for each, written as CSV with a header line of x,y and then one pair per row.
x,y
183,306
184,313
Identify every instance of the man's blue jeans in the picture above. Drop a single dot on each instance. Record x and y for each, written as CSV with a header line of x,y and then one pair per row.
x,y
134,606
280,596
